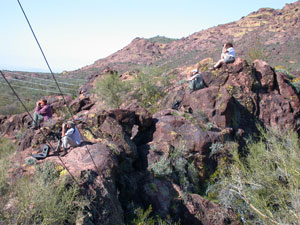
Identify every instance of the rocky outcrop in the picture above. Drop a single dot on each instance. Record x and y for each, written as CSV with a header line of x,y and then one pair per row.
x,y
239,94
97,169
131,157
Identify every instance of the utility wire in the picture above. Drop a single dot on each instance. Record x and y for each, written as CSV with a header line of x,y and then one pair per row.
x,y
44,74
48,80
45,85
60,91
7,95
15,93
56,81
36,89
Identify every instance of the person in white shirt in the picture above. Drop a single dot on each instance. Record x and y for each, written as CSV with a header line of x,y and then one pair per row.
x,y
227,56
70,136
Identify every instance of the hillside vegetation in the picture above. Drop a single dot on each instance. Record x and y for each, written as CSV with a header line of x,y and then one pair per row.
x,y
157,153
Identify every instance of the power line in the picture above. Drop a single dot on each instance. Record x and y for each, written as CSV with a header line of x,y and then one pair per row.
x,y
60,91
15,93
48,80
45,85
7,95
36,89
55,80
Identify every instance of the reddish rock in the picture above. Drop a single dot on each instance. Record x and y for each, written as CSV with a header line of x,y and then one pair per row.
x,y
98,176
207,212
264,74
214,102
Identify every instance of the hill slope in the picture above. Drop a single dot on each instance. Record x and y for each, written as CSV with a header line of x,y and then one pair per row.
x,y
274,32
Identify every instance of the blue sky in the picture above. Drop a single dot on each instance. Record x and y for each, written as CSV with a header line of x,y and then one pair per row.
x,y
75,33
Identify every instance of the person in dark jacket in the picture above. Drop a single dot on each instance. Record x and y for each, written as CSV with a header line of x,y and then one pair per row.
x,y
42,113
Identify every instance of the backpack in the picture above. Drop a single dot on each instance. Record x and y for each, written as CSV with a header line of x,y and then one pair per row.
x,y
196,83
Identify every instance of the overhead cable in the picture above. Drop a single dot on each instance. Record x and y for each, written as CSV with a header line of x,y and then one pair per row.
x,y
15,93
45,85
70,111
48,80
36,89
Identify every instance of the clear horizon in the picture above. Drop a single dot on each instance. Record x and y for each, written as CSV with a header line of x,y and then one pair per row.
x,y
74,34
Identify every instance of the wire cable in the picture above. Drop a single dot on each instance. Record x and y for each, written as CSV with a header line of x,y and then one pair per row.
x,y
15,93
45,85
36,89
59,90
55,80
48,80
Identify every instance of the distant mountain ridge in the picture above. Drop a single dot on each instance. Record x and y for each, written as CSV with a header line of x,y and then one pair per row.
x,y
278,32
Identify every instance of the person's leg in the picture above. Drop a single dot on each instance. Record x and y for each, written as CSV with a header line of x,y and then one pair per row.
x,y
66,141
192,84
37,119
219,63
223,55
229,59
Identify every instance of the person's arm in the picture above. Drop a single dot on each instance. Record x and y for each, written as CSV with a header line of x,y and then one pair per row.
x,y
193,77
63,132
43,110
224,49
38,106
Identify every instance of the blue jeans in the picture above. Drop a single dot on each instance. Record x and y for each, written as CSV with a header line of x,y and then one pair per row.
x,y
37,119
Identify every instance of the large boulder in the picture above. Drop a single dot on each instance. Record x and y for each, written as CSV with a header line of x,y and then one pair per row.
x,y
264,74
214,102
238,94
97,169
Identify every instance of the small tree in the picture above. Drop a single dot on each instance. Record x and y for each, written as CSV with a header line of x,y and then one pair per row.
x,y
112,89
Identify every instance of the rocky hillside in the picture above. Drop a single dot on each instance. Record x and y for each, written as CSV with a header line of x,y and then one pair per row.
x,y
274,33
134,159
167,155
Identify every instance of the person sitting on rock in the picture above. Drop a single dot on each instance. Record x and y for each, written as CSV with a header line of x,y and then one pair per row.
x,y
70,136
42,113
195,81
227,56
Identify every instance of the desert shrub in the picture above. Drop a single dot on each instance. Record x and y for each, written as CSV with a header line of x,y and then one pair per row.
x,y
179,166
112,90
45,198
263,186
6,148
150,83
144,217
216,148
161,39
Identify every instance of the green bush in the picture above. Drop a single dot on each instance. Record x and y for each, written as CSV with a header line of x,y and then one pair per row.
x,y
144,217
263,187
179,166
6,148
45,198
150,84
112,89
